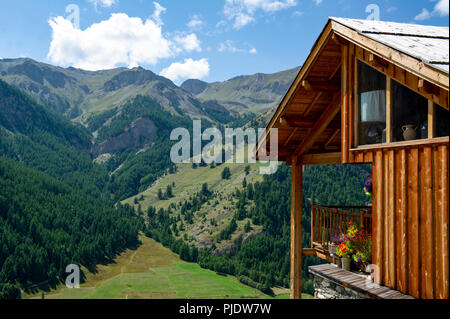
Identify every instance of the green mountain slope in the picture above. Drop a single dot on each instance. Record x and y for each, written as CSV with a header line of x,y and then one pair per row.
x,y
252,93
44,141
46,225
79,94
242,228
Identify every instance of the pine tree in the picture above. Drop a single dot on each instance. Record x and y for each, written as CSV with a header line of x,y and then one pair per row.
x,y
226,173
247,227
169,193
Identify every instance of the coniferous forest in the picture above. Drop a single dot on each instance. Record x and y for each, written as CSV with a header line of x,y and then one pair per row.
x,y
59,206
264,260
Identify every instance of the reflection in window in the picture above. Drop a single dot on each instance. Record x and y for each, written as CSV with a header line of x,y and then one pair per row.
x,y
442,117
372,105
410,114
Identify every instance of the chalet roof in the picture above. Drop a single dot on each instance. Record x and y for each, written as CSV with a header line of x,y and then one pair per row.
x,y
429,44
308,118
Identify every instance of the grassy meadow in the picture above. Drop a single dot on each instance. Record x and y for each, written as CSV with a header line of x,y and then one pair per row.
x,y
154,272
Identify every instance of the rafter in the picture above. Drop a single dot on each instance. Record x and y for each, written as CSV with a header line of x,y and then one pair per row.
x,y
309,108
319,84
326,118
334,72
332,138
294,131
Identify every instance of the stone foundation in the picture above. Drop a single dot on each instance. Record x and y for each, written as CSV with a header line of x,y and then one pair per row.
x,y
326,289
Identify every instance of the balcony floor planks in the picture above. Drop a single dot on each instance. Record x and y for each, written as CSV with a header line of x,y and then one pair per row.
x,y
355,282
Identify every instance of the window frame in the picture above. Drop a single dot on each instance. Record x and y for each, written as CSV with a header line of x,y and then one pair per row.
x,y
389,115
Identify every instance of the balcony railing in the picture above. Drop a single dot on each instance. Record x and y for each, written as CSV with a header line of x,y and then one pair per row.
x,y
329,222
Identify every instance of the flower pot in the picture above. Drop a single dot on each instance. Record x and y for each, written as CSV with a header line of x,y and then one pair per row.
x,y
339,262
346,263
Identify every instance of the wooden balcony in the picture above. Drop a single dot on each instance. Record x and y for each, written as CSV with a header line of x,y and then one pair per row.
x,y
329,222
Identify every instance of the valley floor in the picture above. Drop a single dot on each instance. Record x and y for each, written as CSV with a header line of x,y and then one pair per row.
x,y
154,272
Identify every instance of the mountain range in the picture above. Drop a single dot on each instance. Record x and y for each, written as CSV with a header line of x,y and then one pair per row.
x,y
89,153
97,99
123,117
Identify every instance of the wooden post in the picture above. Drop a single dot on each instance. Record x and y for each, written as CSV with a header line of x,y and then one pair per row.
x,y
344,105
296,229
389,115
431,119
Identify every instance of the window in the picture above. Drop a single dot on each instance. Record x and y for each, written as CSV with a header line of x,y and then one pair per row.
x,y
388,111
442,117
409,114
372,105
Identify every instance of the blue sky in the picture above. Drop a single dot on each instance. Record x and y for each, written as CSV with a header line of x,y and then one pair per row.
x,y
213,40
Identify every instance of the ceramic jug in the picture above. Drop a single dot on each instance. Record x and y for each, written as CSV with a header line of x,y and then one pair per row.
x,y
409,132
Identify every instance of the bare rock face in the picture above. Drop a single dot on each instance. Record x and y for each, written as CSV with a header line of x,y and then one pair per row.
x,y
141,133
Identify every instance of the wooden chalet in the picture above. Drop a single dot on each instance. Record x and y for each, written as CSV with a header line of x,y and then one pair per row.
x,y
375,92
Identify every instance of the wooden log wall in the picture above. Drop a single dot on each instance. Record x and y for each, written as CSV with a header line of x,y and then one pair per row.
x,y
410,216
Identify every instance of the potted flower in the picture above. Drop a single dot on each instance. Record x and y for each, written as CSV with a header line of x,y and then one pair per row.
x,y
335,242
345,252
368,189
362,245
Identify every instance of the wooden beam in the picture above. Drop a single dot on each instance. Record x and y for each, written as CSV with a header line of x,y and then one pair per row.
x,y
304,71
290,137
334,72
327,116
283,122
437,77
338,40
427,87
296,228
310,106
295,122
356,104
321,159
320,84
289,161
431,119
309,252
410,80
345,105
281,153
332,138
389,116
375,60
306,85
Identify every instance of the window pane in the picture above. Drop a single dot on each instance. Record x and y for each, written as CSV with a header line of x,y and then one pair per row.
x,y
442,117
372,105
410,114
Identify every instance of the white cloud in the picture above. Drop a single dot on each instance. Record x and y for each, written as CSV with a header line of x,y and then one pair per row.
x,y
440,9
189,43
424,15
156,16
195,22
242,12
189,69
230,46
317,2
391,9
120,40
103,3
